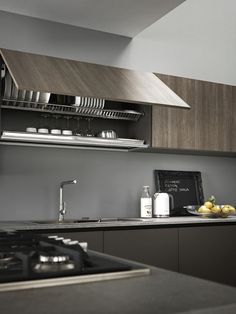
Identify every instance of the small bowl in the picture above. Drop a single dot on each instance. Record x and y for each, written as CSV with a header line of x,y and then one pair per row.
x,y
31,130
66,132
43,130
109,134
55,131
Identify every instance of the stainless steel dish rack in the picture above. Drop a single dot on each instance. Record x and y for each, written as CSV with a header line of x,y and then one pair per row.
x,y
130,115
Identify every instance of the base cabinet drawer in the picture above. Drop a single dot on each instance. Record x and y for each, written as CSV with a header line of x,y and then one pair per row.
x,y
157,247
209,253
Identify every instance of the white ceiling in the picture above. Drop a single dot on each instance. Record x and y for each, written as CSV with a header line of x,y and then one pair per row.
x,y
122,17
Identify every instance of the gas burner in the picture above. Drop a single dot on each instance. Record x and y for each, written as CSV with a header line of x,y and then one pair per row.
x,y
53,258
6,257
28,257
54,268
9,262
53,262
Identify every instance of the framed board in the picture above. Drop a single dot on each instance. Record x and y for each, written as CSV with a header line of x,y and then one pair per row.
x,y
185,186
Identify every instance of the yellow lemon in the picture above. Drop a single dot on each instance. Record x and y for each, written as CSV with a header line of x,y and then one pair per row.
x,y
231,208
215,209
204,209
208,204
225,210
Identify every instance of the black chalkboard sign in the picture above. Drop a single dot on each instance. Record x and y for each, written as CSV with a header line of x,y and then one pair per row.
x,y
184,186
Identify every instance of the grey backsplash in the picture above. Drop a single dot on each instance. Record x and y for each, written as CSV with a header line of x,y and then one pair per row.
x,y
109,183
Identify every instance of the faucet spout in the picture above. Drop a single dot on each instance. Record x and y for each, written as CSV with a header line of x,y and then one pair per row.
x,y
68,182
62,206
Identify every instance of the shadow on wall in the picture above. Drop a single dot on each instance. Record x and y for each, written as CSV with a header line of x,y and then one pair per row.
x,y
60,40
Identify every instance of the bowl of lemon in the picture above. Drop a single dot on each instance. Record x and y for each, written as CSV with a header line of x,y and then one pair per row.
x,y
210,209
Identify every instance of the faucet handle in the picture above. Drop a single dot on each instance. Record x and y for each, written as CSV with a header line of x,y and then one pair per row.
x,y
64,208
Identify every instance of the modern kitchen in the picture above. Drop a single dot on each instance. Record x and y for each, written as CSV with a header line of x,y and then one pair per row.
x,y
117,156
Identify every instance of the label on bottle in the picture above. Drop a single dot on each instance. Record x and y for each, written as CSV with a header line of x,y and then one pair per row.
x,y
146,207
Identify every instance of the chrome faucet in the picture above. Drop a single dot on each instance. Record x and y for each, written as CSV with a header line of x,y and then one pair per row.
x,y
62,208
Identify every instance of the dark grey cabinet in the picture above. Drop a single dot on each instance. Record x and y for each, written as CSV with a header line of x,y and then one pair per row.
x,y
208,252
93,238
157,247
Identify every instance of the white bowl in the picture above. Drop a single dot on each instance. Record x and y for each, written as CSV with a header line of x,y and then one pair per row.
x,y
43,130
55,131
66,132
31,130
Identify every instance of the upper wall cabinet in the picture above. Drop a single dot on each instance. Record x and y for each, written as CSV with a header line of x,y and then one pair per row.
x,y
53,101
209,125
73,78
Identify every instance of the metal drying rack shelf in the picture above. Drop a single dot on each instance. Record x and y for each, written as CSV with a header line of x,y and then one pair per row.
x,y
72,110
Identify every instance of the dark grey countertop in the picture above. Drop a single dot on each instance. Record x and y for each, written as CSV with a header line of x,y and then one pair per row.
x,y
152,222
162,292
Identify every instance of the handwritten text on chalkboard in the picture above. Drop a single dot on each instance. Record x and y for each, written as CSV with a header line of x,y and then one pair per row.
x,y
174,186
184,186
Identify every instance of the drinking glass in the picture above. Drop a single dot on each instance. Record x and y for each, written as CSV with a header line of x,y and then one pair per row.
x,y
77,131
89,132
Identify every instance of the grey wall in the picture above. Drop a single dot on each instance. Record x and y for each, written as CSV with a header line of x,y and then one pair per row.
x,y
196,40
38,36
109,182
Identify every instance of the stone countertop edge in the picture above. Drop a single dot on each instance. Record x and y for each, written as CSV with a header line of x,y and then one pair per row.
x,y
153,223
162,291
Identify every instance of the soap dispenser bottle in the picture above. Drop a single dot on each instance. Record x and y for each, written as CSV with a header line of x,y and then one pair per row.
x,y
145,203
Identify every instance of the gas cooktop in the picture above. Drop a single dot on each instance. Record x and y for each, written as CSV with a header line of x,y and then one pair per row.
x,y
29,260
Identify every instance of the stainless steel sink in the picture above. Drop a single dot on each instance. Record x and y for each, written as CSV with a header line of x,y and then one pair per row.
x,y
96,220
66,221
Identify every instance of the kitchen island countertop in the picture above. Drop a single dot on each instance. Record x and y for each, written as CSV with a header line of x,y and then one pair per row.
x,y
162,292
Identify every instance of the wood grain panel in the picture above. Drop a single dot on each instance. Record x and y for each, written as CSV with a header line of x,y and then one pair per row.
x,y
174,128
69,77
206,126
233,134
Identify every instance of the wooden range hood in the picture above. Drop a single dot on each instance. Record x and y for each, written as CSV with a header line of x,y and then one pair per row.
x,y
74,78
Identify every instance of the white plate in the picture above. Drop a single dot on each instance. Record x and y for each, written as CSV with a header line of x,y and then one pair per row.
x,y
88,102
8,83
3,72
21,94
97,100
28,95
77,100
102,103
35,97
44,97
91,102
14,91
82,102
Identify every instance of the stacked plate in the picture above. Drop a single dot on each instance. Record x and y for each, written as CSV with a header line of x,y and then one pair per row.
x,y
12,93
88,102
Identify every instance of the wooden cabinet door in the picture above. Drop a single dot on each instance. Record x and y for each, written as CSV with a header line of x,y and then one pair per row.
x,y
157,247
209,253
93,238
233,134
171,127
207,126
